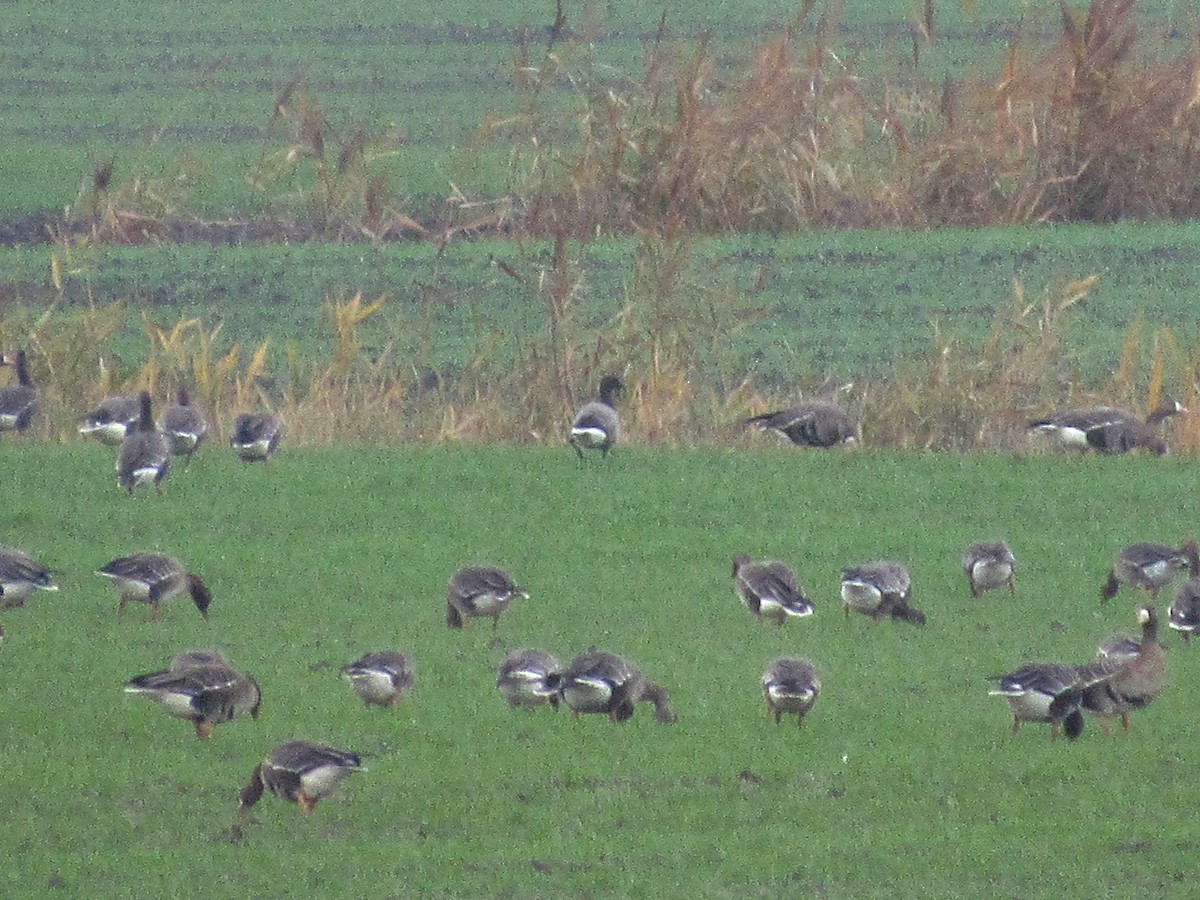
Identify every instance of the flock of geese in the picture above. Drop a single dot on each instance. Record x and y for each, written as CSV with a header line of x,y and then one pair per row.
x,y
204,688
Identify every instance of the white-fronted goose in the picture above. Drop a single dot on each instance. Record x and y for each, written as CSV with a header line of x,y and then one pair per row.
x,y
1150,567
769,589
480,591
1108,430
528,679
820,424
152,578
380,678
205,694
184,425
300,772
989,565
109,422
20,576
879,589
597,425
145,456
1184,614
1119,647
256,436
599,682
791,686
1031,689
18,402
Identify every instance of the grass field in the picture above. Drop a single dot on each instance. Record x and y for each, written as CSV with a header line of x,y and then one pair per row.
x,y
904,782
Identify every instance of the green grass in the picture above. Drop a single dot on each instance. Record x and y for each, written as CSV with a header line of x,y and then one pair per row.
x,y
905,780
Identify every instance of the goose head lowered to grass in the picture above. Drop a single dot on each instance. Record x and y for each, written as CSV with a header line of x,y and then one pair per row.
x,y
1150,567
152,578
603,683
300,772
109,422
820,424
880,589
769,589
207,694
1104,429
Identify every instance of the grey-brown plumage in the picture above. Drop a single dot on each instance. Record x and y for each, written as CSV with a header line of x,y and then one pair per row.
x,y
145,456
152,578
1184,614
1107,430
791,686
206,694
480,591
880,589
184,424
256,436
300,772
528,679
1150,567
20,576
769,589
1031,689
18,402
820,424
989,565
112,420
381,678
603,683
597,425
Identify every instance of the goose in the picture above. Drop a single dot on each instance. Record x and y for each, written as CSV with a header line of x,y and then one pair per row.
x,y
184,425
109,422
480,591
18,402
599,682
1031,689
1119,647
20,576
380,678
1108,430
300,772
769,589
989,565
819,424
145,456
597,425
879,589
152,578
256,436
528,679
1150,567
791,686
205,694
1113,687
1184,614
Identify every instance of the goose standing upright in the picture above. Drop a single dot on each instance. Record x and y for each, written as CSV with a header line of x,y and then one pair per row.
x,y
819,424
20,576
769,589
152,578
112,420
989,565
256,436
1150,567
184,425
300,772
880,589
480,591
597,425
599,682
145,456
18,402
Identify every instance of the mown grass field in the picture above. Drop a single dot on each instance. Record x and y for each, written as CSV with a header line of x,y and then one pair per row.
x,y
905,781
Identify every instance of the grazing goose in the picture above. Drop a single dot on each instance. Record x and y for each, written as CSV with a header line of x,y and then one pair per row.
x,y
1184,614
256,436
18,402
1150,567
184,425
480,591
528,679
20,576
990,565
769,589
597,425
145,456
880,589
205,694
109,422
300,772
791,686
152,578
1108,430
380,678
1031,689
1115,686
818,424
599,682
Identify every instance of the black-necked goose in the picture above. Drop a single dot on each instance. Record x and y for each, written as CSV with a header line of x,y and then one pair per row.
x,y
300,772
205,694
152,578
791,686
380,678
597,425
184,424
109,422
989,565
528,679
769,589
1108,430
1031,689
20,576
256,436
18,402
145,456
1184,614
1150,567
480,591
880,589
820,424
603,683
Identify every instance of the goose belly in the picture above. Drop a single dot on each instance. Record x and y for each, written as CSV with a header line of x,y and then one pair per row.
x,y
587,696
861,595
591,438
988,574
322,781
373,687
